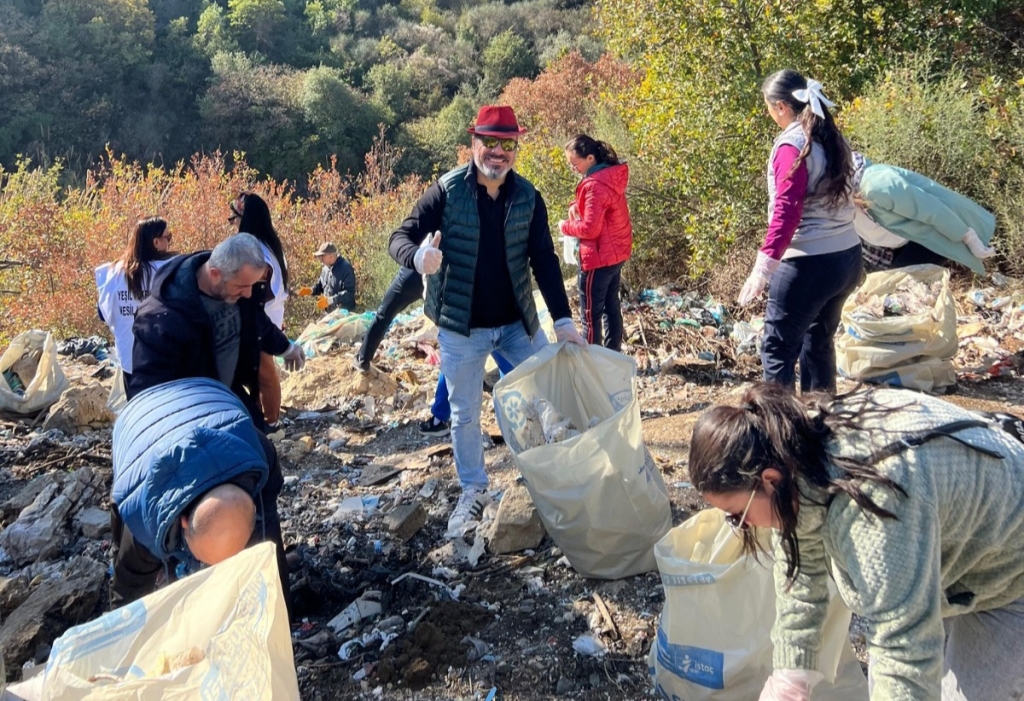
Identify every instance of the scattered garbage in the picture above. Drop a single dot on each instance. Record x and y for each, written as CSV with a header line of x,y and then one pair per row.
x,y
359,610
589,646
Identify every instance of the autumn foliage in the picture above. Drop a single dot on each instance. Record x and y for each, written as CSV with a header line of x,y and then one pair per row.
x,y
54,237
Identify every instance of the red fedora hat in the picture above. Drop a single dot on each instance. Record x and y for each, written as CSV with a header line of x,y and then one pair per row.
x,y
496,120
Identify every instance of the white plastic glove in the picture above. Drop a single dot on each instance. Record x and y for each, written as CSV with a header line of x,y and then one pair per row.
x,y
428,258
790,685
978,249
565,330
294,358
764,267
561,226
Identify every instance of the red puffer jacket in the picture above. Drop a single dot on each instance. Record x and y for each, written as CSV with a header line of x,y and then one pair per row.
x,y
604,229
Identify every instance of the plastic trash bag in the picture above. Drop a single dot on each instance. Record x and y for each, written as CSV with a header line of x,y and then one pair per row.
x,y
599,494
914,349
232,615
713,640
48,381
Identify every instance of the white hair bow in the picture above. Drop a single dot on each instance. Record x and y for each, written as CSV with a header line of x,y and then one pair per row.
x,y
813,95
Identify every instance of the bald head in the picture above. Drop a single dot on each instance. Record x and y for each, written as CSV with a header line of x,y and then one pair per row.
x,y
220,524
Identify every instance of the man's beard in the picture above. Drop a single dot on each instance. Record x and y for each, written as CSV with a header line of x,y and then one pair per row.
x,y
490,172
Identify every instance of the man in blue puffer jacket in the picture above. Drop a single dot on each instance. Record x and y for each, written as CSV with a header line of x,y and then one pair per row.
x,y
193,481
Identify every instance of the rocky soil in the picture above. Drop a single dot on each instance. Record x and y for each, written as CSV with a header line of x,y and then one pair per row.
x,y
364,509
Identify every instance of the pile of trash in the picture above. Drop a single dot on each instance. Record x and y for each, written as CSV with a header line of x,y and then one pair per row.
x,y
684,331
991,333
908,298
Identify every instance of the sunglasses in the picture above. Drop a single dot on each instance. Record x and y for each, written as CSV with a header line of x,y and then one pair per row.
x,y
235,214
507,145
740,522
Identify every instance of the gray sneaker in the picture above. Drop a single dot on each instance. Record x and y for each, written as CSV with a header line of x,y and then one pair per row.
x,y
467,513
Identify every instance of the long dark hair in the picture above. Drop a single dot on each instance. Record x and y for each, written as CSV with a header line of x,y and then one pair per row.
x,y
255,220
835,186
732,446
140,252
583,146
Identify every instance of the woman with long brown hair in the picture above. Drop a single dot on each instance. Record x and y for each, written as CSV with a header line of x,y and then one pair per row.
x,y
251,214
124,283
912,505
810,260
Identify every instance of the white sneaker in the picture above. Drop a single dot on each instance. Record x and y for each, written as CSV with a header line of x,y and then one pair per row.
x,y
467,513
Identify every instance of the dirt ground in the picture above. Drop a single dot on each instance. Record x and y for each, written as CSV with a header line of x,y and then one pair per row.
x,y
511,629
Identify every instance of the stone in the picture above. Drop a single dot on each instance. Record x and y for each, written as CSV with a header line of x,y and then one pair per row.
x,y
516,526
80,407
20,501
306,442
55,606
13,592
40,530
375,474
406,520
564,686
93,522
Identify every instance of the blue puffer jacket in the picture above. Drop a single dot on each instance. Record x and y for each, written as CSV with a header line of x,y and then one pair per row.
x,y
173,443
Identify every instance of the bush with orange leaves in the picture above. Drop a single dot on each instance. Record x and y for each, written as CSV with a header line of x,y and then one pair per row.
x,y
52,237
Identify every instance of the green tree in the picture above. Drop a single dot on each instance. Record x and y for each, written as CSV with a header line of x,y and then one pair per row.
x,y
213,35
343,120
257,24
507,56
391,86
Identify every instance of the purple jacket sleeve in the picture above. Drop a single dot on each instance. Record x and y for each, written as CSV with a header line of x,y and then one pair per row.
x,y
790,190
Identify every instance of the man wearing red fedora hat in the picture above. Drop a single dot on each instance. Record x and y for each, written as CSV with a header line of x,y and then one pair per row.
x,y
476,234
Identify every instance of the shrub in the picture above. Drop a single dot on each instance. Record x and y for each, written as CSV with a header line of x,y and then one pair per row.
x,y
61,235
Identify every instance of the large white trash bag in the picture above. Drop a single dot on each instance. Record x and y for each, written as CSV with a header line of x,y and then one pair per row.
x,y
714,639
232,615
913,348
596,489
48,382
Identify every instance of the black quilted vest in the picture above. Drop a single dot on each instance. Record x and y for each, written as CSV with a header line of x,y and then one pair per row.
x,y
449,302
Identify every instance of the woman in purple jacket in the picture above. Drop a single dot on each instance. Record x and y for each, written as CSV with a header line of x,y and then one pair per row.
x,y
810,260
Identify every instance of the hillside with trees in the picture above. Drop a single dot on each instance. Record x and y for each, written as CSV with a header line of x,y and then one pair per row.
x,y
341,111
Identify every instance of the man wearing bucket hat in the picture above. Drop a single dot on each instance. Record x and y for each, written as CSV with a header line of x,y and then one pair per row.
x,y
337,284
476,234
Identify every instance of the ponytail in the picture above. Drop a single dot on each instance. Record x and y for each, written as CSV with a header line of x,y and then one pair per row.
x,y
732,446
811,109
583,146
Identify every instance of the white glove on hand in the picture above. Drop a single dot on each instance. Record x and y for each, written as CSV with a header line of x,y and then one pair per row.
x,y
561,226
294,358
565,330
978,249
428,258
790,685
764,268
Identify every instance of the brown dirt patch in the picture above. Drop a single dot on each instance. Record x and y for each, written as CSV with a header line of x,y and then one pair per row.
x,y
434,646
328,380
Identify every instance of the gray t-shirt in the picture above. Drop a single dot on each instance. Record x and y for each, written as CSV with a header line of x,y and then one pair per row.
x,y
227,333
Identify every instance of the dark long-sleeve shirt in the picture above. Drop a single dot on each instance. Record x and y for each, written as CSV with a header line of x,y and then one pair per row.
x,y
494,302
338,283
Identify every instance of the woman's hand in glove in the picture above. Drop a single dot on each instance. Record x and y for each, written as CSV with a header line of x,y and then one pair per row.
x,y
764,268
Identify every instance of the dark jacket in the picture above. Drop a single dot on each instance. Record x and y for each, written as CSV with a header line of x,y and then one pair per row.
x,y
454,207
338,284
172,444
604,229
174,337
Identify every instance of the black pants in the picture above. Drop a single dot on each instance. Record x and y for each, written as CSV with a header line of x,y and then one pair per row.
x,y
805,301
136,569
912,253
599,305
404,290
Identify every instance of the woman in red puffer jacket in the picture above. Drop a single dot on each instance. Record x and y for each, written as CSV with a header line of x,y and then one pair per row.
x,y
599,218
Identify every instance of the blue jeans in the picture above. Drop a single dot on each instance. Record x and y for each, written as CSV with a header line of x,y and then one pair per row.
x,y
805,300
442,408
462,362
